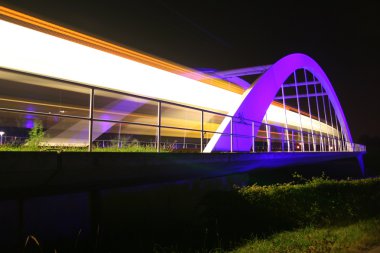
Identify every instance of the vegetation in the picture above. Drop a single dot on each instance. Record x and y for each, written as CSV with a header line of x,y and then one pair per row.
x,y
355,238
361,235
36,134
128,148
264,210
316,215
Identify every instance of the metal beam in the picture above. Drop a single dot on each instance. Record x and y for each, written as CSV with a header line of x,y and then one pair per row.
x,y
300,84
302,96
242,72
238,81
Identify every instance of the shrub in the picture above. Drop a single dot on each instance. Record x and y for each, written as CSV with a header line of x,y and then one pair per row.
x,y
263,210
36,134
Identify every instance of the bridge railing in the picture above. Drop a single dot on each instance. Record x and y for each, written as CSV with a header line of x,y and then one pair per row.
x,y
81,116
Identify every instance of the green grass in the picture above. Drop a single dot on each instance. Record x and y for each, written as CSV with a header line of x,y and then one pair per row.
x,y
362,235
22,148
130,148
319,201
266,210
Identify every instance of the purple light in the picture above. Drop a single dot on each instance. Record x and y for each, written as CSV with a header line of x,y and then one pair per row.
x,y
255,101
29,123
30,108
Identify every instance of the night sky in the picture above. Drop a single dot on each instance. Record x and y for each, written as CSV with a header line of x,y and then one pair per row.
x,y
344,38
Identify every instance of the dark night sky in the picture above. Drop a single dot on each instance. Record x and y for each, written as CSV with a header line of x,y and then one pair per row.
x,y
343,38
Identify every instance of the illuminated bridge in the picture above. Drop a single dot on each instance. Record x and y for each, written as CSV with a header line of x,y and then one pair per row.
x,y
87,93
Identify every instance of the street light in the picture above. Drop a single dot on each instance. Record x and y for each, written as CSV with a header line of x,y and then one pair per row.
x,y
1,137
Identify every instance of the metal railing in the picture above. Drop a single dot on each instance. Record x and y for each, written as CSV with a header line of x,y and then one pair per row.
x,y
264,137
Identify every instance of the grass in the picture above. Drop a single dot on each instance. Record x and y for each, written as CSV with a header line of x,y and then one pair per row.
x,y
319,201
266,210
129,148
362,235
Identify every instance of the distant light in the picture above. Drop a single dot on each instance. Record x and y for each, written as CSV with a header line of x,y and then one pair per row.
x,y
62,111
1,137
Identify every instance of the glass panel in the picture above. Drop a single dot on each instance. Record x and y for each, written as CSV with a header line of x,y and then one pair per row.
x,y
237,140
224,140
262,131
261,144
295,140
182,117
318,142
277,145
242,132
212,121
330,142
307,141
276,133
35,94
124,137
37,132
177,140
118,107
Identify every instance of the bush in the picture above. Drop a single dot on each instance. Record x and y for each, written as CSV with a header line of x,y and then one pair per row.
x,y
36,134
263,210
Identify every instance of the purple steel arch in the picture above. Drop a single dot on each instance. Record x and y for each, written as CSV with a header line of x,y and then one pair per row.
x,y
256,100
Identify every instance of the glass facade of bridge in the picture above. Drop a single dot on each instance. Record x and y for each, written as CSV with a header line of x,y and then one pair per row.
x,y
81,117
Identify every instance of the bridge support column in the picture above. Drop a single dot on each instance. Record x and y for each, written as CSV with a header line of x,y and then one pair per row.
x,y
361,163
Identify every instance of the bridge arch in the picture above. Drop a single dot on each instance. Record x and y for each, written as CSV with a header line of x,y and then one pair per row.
x,y
256,100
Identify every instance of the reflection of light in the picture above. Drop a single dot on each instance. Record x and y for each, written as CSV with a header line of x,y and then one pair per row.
x,y
29,116
276,114
30,107
32,51
29,123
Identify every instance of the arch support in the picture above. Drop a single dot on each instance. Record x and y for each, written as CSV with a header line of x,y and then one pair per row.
x,y
256,100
